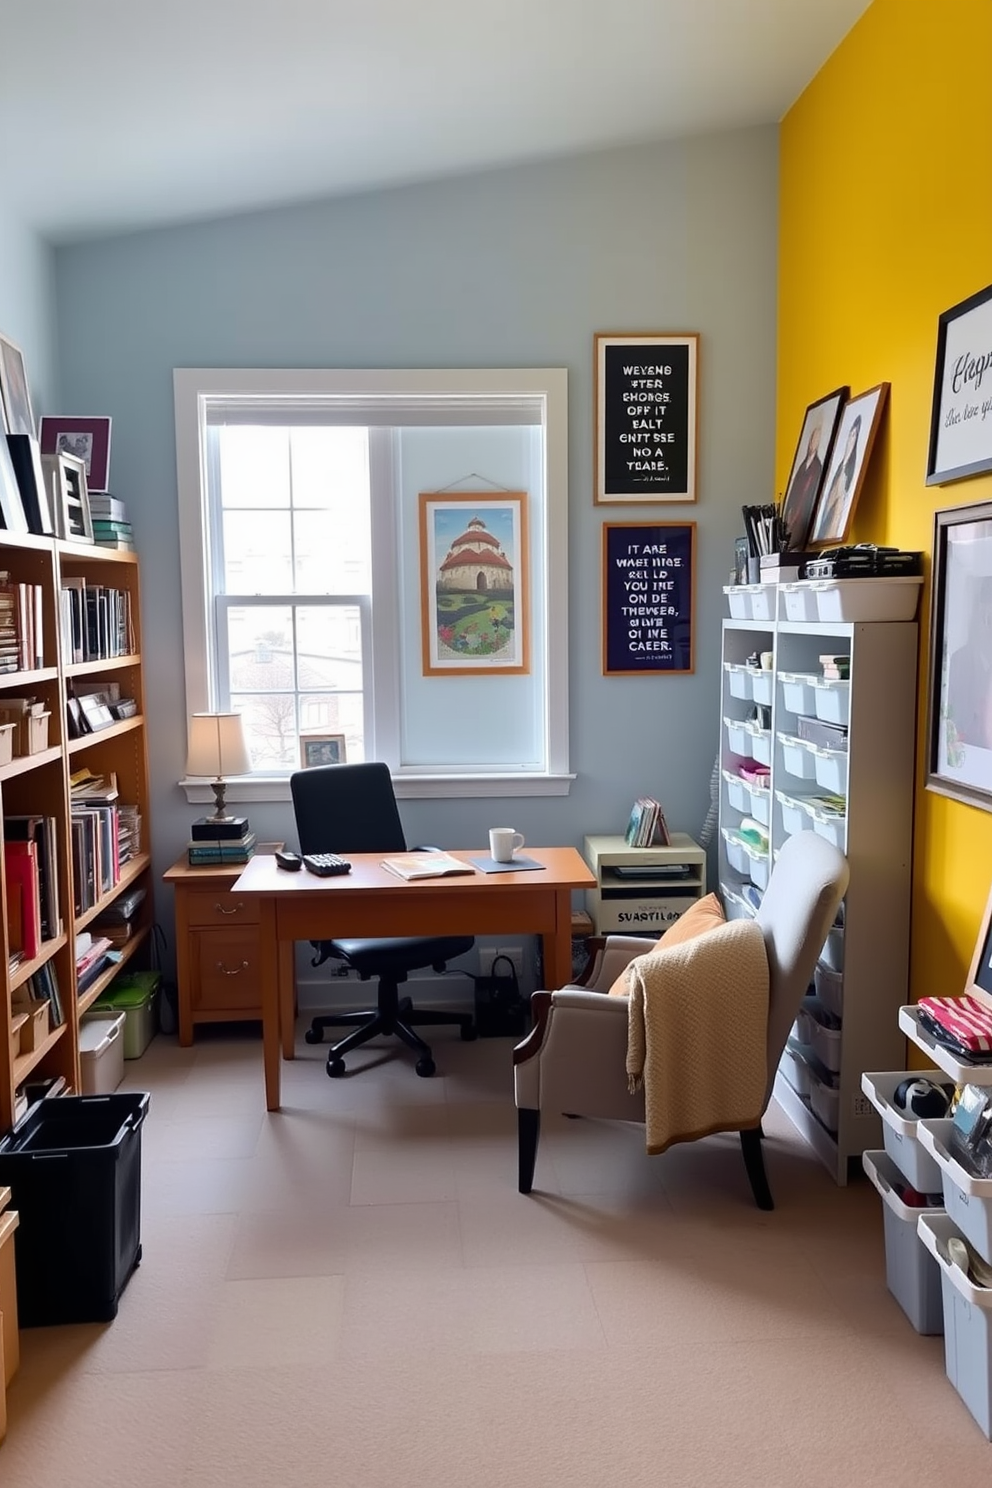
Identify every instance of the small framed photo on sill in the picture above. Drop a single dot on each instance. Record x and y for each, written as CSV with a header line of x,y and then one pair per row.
x,y
322,749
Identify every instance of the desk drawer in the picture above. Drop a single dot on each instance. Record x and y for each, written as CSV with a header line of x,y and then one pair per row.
x,y
226,977
219,907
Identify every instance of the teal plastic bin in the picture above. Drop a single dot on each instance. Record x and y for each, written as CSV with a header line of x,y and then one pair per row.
x,y
134,993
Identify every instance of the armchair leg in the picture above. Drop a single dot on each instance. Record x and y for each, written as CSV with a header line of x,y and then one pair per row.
x,y
754,1162
528,1131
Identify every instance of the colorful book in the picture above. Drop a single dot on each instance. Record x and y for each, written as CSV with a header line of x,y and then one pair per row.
x,y
415,865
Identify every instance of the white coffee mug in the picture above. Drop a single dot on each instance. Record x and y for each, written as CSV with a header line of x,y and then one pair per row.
x,y
503,843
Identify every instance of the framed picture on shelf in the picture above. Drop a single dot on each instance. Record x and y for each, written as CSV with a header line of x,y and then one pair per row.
x,y
95,713
26,460
86,438
322,749
645,417
809,465
980,972
960,429
14,395
66,479
12,515
473,583
959,695
855,439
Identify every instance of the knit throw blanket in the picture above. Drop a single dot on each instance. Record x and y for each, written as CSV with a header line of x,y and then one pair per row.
x,y
697,1032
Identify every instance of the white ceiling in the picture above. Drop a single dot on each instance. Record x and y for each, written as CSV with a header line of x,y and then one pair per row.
x,y
121,113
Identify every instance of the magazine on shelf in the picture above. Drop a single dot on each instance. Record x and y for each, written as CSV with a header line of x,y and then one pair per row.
x,y
413,865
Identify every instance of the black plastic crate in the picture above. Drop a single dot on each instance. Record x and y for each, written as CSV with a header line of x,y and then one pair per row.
x,y
73,1165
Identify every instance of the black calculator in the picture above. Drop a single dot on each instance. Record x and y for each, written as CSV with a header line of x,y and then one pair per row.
x,y
325,865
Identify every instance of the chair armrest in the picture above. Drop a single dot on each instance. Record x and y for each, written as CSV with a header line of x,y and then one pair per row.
x,y
595,1002
617,953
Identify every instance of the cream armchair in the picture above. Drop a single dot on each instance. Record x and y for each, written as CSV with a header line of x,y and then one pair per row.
x,y
574,1059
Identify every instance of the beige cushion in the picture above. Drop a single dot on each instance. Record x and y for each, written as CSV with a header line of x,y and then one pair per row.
x,y
706,914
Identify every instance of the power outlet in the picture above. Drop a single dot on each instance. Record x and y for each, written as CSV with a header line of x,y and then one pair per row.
x,y
488,952
863,1106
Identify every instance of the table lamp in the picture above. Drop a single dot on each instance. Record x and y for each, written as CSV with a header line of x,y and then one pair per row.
x,y
217,748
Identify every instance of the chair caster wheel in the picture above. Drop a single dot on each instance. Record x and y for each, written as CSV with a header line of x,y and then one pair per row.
x,y
469,1033
313,1036
335,1068
425,1067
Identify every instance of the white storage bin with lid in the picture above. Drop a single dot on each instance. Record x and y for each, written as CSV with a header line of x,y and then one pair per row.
x,y
736,856
866,599
830,824
968,1200
967,1315
101,1052
802,1029
759,804
763,686
738,679
761,744
824,1099
797,692
829,986
795,1066
796,815
762,598
737,792
900,1129
830,767
797,757
734,906
739,600
832,954
832,700
758,866
799,599
911,1273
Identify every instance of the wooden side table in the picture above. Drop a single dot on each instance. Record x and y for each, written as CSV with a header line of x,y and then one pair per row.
x,y
217,947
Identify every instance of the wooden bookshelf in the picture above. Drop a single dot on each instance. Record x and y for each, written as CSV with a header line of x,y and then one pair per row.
x,y
38,784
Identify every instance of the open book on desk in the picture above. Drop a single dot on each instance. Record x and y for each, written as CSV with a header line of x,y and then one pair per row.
x,y
425,865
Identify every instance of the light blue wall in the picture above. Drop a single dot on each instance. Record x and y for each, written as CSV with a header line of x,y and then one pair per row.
x,y
510,268
26,307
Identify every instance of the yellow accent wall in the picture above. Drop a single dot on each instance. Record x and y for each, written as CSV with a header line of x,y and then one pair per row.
x,y
885,221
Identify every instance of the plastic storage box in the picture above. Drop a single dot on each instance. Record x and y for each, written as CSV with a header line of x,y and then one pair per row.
x,y
73,1165
911,1273
900,1130
796,815
967,1310
968,1200
866,599
101,1052
800,601
797,757
135,994
797,692
824,1099
795,1066
832,700
829,986
735,791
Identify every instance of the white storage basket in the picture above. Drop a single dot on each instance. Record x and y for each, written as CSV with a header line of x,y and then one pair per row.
x,y
759,804
912,1274
795,1066
829,986
736,855
796,816
797,757
967,1315
830,767
825,1102
762,601
830,824
761,744
901,1130
832,700
739,600
762,686
797,692
737,791
738,738
800,601
968,1200
825,1041
738,679
866,599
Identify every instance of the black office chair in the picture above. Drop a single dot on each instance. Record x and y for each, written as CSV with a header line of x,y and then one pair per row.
x,y
352,808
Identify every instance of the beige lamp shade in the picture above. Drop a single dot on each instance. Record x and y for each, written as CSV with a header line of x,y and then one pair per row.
x,y
217,748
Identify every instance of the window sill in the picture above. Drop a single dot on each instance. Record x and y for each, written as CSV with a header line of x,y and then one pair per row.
x,y
407,787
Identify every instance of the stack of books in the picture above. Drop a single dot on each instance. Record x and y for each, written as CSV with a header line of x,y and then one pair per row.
x,y
836,668
226,842
647,826
111,528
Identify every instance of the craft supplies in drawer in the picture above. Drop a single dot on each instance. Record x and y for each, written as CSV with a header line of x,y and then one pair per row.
x,y
824,1098
967,1199
866,599
901,1129
829,986
796,814
737,792
797,691
800,601
832,700
830,768
797,757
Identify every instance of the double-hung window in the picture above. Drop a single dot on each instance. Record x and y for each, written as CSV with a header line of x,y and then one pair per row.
x,y
307,591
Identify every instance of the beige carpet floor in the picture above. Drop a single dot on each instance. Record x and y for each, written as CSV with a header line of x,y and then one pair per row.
x,y
353,1293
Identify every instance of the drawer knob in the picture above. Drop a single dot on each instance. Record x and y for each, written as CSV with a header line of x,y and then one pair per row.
x,y
232,970
235,909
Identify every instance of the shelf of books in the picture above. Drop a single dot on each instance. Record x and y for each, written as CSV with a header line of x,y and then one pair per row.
x,y
75,892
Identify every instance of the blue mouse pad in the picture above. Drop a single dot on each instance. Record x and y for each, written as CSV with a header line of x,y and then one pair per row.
x,y
516,865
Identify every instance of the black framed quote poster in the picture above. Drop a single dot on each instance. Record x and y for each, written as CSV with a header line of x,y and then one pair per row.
x,y
648,588
645,417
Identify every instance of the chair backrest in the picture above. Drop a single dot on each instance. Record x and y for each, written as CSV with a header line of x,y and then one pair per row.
x,y
346,808
799,906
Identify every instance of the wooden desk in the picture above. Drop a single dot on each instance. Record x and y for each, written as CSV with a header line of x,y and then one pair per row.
x,y
371,901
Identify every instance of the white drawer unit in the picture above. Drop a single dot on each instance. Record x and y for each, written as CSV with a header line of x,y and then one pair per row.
x,y
860,799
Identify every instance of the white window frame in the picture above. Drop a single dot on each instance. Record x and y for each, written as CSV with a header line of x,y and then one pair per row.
x,y
195,388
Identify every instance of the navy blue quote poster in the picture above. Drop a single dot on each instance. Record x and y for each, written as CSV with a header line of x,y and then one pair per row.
x,y
648,583
645,418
